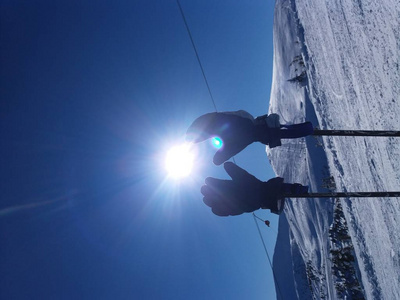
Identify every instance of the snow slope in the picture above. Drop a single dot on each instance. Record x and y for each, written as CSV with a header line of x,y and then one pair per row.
x,y
337,64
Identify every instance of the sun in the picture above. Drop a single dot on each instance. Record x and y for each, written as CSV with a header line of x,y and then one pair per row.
x,y
179,161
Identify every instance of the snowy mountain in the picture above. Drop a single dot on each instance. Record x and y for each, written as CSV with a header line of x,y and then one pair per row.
x,y
337,64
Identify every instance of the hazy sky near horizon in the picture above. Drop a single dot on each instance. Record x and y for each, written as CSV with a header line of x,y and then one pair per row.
x,y
93,94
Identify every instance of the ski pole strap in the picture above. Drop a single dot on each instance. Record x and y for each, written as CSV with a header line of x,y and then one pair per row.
x,y
322,132
343,195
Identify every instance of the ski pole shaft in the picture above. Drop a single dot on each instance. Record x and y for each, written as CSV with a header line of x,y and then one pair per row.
x,y
322,132
344,195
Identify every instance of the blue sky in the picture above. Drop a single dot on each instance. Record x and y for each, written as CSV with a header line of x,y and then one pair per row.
x,y
94,92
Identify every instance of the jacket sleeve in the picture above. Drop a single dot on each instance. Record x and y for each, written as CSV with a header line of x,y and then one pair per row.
x,y
272,193
268,130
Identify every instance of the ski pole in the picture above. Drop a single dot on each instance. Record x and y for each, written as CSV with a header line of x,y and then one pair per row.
x,y
323,132
343,195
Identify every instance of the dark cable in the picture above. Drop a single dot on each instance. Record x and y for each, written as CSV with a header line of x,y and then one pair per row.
x,y
197,54
266,251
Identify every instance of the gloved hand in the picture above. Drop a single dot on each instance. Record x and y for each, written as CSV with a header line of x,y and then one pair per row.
x,y
244,193
236,129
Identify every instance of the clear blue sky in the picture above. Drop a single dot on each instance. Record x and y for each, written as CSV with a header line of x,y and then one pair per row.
x,y
92,93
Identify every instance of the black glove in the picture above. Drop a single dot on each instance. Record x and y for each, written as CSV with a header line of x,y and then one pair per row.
x,y
244,193
236,129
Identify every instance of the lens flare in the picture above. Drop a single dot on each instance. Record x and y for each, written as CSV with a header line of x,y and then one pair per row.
x,y
179,161
217,142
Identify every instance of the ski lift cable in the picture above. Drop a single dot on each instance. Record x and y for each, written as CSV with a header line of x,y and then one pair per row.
x,y
255,216
197,54
198,60
265,222
266,252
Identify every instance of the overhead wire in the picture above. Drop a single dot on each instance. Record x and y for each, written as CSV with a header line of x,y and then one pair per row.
x,y
197,54
266,252
198,59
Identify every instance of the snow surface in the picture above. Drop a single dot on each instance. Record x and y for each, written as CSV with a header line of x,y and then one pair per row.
x,y
337,64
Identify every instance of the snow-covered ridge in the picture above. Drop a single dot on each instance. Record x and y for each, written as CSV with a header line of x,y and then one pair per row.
x,y
337,64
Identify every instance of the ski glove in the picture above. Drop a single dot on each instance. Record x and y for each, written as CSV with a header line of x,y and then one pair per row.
x,y
244,193
236,129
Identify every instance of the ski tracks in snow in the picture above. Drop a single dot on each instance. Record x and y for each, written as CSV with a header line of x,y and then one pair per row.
x,y
356,55
351,52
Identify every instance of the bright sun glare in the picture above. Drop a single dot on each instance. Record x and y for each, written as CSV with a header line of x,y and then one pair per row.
x,y
179,161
